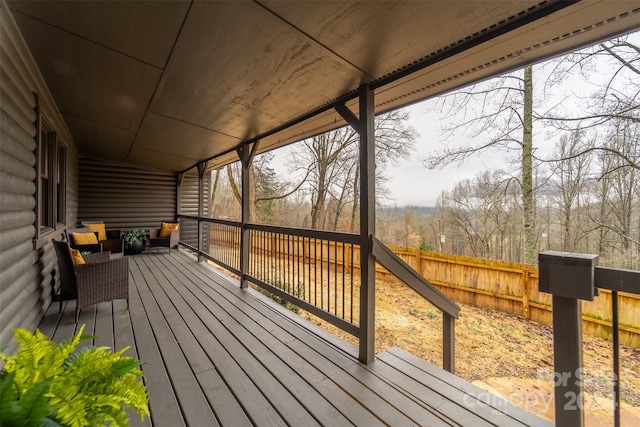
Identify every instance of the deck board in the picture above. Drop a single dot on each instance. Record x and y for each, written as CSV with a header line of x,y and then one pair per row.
x,y
217,355
321,398
312,351
449,384
163,403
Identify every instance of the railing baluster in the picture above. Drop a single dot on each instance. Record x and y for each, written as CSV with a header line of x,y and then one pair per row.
x,y
343,279
315,272
352,285
298,267
321,273
290,285
335,276
616,359
276,261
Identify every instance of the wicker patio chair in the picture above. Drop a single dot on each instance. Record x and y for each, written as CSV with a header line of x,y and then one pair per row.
x,y
169,239
113,241
93,248
101,279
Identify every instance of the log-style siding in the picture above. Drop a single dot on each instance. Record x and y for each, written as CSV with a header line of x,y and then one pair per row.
x,y
125,197
27,260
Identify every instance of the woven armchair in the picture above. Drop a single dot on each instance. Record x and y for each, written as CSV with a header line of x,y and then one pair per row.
x,y
155,241
82,248
113,243
100,279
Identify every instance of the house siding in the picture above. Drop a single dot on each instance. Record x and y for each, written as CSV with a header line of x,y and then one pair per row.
x,y
27,260
125,197
189,197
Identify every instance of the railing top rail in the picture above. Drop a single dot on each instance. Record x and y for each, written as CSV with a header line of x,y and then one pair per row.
x,y
314,234
213,220
412,278
616,279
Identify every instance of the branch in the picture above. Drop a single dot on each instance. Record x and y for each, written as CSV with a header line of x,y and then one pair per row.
x,y
283,196
617,231
631,163
234,185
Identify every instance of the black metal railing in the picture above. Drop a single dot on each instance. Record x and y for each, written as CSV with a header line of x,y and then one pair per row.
x,y
616,280
571,278
312,269
318,271
218,240
224,243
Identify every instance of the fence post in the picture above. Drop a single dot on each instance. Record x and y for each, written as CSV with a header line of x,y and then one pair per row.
x,y
570,279
526,278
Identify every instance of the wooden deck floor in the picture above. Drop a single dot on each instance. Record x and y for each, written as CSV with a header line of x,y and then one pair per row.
x,y
216,355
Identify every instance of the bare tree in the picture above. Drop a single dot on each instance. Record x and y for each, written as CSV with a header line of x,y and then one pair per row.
x,y
479,209
332,159
622,198
498,115
265,188
569,178
612,103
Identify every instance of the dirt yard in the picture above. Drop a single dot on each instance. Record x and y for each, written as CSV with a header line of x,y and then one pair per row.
x,y
491,345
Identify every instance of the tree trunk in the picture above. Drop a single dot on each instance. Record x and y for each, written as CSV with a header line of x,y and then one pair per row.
x,y
238,194
355,209
214,190
527,171
318,209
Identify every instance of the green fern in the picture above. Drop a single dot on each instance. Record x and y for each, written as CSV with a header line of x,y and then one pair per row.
x,y
50,384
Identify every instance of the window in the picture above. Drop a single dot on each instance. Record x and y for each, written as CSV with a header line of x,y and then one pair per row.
x,y
51,189
61,166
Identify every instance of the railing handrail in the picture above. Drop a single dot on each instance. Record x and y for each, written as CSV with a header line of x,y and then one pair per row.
x,y
408,275
335,236
212,220
616,279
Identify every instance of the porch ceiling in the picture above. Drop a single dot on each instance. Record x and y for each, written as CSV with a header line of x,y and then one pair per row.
x,y
166,84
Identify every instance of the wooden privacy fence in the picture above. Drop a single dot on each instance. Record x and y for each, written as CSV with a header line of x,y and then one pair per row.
x,y
513,288
498,285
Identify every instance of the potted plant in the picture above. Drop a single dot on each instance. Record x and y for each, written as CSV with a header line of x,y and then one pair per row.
x,y
44,383
135,241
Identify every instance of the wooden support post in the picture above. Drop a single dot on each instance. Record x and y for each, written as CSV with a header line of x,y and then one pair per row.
x,y
246,159
567,361
244,231
570,279
367,226
365,126
202,166
179,192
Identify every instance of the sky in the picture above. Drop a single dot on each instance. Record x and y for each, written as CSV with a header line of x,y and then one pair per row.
x,y
411,183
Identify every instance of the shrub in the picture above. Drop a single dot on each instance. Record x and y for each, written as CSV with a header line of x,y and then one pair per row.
x,y
51,384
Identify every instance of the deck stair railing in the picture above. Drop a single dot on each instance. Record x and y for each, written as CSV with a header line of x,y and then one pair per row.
x,y
450,310
315,270
570,278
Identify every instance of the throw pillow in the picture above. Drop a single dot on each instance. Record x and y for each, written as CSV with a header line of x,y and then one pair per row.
x,y
77,257
98,228
167,228
84,238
